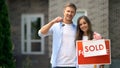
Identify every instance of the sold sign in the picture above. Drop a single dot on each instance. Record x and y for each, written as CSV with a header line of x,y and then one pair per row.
x,y
93,52
94,48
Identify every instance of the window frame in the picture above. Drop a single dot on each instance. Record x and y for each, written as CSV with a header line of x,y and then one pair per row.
x,y
78,11
28,34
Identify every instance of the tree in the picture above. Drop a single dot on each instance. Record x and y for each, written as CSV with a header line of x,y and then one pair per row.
x,y
6,54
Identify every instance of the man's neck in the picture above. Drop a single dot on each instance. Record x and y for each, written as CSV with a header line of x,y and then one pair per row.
x,y
67,22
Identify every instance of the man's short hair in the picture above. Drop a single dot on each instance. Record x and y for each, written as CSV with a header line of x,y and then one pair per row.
x,y
71,5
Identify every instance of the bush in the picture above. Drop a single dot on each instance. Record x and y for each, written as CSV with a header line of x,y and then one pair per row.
x,y
6,54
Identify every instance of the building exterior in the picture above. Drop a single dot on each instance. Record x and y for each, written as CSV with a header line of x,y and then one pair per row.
x,y
27,16
114,23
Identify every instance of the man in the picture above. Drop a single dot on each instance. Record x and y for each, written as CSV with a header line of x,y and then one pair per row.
x,y
63,32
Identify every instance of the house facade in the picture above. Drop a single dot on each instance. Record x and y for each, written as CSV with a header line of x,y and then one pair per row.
x,y
28,16
114,23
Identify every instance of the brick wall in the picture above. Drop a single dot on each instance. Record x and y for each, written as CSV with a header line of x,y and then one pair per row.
x,y
114,32
16,9
114,23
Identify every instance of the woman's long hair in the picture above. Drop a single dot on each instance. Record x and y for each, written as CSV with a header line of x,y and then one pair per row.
x,y
79,32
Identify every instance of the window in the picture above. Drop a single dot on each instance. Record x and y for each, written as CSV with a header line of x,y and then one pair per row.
x,y
31,42
78,14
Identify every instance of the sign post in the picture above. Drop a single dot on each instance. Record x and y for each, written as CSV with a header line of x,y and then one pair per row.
x,y
93,52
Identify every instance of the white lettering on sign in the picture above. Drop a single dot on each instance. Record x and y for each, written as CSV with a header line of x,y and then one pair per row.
x,y
80,52
94,48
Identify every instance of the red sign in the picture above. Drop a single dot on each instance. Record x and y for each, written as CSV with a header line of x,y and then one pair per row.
x,y
100,59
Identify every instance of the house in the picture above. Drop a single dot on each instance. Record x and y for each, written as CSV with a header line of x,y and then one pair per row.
x,y
27,17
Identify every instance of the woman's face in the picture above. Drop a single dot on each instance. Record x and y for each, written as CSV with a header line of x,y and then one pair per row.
x,y
83,25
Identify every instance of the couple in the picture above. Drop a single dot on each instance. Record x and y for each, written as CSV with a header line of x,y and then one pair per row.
x,y
64,34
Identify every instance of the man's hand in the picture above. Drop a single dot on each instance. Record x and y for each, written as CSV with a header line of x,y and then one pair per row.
x,y
57,19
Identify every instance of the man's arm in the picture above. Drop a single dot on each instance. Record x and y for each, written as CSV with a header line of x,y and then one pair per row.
x,y
45,28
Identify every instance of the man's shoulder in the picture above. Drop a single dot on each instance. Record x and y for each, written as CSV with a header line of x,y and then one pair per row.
x,y
74,25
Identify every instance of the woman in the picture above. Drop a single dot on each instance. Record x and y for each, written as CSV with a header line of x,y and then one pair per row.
x,y
85,32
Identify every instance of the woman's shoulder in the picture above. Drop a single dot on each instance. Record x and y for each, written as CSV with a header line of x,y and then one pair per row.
x,y
96,36
96,33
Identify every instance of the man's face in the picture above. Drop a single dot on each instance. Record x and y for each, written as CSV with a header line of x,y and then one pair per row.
x,y
69,13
